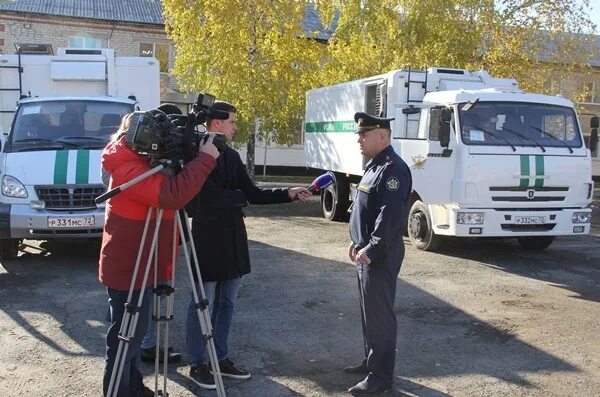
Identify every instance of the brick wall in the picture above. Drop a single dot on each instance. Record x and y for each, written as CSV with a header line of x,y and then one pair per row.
x,y
125,38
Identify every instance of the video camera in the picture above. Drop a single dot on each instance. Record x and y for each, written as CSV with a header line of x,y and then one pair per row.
x,y
159,136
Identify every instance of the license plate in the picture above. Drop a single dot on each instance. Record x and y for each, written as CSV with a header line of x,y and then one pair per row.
x,y
66,223
530,220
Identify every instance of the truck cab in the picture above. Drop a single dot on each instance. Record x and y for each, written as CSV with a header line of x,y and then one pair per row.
x,y
514,165
50,168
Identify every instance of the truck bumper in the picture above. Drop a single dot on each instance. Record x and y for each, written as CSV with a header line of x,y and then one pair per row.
x,y
504,223
26,222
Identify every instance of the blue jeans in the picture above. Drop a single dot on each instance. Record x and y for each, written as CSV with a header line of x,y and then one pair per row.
x,y
221,297
149,340
131,377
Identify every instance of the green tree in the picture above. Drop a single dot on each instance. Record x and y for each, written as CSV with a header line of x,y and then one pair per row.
x,y
252,53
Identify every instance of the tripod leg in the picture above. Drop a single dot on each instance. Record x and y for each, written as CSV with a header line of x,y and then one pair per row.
x,y
131,314
168,291
202,308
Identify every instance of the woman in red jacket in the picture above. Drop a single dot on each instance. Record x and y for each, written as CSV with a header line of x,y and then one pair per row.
x,y
125,218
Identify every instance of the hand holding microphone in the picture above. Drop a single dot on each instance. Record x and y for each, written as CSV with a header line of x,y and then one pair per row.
x,y
299,193
303,194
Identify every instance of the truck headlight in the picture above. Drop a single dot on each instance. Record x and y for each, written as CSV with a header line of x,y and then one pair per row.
x,y
12,187
469,218
581,217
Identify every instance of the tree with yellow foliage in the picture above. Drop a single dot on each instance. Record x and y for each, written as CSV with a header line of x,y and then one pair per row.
x,y
254,54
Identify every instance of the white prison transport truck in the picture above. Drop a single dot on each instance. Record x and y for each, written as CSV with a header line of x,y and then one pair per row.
x,y
487,159
57,114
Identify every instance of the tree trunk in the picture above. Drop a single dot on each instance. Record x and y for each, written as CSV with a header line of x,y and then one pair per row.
x,y
250,146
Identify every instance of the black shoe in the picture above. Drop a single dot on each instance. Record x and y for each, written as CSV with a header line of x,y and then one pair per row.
x,y
201,375
149,354
228,369
357,369
363,388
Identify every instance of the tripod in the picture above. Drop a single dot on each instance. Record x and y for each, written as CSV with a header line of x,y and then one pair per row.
x,y
132,311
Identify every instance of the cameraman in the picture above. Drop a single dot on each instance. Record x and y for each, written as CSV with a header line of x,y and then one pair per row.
x,y
221,243
125,218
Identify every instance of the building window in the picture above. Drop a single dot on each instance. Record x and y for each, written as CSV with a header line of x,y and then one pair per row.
x,y
85,41
551,87
160,51
589,92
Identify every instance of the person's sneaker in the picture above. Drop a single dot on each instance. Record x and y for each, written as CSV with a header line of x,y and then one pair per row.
x,y
228,369
202,376
149,353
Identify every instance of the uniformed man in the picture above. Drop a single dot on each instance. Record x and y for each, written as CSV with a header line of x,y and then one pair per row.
x,y
377,225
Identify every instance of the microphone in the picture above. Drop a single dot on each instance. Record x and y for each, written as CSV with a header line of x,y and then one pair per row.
x,y
321,182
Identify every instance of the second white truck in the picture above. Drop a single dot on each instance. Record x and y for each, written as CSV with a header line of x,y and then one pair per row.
x,y
487,159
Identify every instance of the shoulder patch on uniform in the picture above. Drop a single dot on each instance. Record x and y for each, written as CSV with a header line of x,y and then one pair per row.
x,y
392,184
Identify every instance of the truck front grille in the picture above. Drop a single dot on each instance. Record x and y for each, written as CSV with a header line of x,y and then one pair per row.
x,y
64,197
528,194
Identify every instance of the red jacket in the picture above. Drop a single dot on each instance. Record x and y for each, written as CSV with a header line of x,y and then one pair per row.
x,y
126,213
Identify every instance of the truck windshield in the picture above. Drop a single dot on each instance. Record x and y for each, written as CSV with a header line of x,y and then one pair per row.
x,y
68,124
519,124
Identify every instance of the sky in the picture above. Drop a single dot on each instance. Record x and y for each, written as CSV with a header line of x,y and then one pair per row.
x,y
595,14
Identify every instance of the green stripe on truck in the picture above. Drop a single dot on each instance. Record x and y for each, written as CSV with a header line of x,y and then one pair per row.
x,y
60,167
524,171
539,171
330,126
82,170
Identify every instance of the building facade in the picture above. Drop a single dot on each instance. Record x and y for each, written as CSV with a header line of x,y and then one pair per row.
x,y
128,30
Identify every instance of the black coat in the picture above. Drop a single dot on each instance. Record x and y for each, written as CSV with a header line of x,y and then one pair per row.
x,y
218,225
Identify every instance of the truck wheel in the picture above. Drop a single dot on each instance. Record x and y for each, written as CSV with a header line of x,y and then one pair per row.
x,y
9,248
420,232
535,243
335,199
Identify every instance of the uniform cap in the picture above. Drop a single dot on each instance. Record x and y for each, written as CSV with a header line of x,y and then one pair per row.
x,y
366,122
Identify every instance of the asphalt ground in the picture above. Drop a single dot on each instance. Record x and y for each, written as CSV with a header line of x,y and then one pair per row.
x,y
482,318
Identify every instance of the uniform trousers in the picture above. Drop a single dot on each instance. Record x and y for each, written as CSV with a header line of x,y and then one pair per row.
x,y
377,287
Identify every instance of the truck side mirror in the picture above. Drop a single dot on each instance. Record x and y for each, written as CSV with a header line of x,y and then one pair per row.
x,y
594,140
593,144
439,125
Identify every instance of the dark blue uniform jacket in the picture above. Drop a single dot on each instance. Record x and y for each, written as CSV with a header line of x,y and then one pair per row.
x,y
379,216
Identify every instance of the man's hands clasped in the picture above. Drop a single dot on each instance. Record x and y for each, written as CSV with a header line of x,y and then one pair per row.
x,y
358,256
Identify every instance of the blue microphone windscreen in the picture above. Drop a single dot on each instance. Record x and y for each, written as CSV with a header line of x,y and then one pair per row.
x,y
323,181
